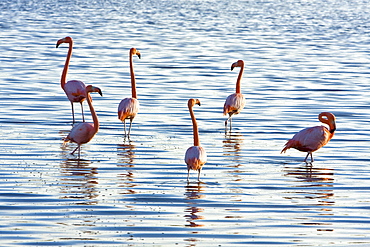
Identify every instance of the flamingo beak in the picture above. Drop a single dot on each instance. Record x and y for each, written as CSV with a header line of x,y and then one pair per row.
x,y
139,55
334,126
91,88
233,66
59,42
99,91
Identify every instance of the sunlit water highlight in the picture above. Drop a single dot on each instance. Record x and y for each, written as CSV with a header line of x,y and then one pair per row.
x,y
301,58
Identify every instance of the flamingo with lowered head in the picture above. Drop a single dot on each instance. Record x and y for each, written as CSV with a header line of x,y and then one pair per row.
x,y
74,89
195,156
235,102
82,133
311,139
129,107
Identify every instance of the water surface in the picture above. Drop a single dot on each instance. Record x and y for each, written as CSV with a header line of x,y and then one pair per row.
x,y
301,58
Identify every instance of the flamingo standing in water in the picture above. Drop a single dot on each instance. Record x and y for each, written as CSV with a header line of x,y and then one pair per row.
x,y
83,132
129,107
311,139
74,89
235,102
195,156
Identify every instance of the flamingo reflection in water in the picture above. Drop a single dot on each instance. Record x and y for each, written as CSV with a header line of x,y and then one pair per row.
x,y
126,163
232,147
194,192
78,181
311,139
315,186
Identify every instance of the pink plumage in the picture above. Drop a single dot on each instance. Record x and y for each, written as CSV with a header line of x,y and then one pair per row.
x,y
128,108
81,133
234,104
195,158
311,139
75,91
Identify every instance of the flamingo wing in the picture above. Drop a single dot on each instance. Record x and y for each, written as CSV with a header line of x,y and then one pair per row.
x,y
309,139
75,90
128,108
234,103
195,157
81,133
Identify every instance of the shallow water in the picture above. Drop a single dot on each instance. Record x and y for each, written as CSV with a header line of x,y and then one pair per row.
x,y
301,58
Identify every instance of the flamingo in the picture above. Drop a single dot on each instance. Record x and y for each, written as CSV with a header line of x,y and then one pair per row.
x,y
129,107
235,102
74,89
83,132
195,156
311,139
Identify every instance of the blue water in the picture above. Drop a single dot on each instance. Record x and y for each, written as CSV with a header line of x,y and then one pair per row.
x,y
301,57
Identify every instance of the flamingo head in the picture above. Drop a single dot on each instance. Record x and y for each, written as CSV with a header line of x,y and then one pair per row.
x,y
133,51
64,40
193,102
329,119
91,89
239,63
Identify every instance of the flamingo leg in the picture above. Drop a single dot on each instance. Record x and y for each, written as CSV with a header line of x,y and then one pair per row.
x,y
305,160
75,149
228,119
199,174
82,110
73,112
124,126
129,130
226,123
188,174
230,123
308,154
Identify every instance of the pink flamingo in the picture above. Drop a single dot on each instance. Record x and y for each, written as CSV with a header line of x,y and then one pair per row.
x,y
129,107
82,133
235,102
311,139
195,156
74,89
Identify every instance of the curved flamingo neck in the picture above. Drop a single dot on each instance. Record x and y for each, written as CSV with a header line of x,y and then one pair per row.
x,y
133,82
238,81
93,113
195,125
329,121
63,79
